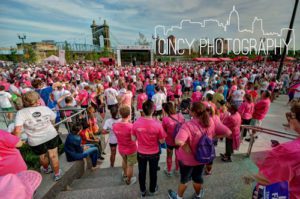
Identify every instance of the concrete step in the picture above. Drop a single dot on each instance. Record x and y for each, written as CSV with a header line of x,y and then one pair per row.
x,y
225,182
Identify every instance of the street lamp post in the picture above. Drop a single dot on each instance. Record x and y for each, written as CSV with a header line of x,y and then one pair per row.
x,y
287,40
23,38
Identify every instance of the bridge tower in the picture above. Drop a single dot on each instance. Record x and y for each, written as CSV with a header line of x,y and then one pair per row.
x,y
97,31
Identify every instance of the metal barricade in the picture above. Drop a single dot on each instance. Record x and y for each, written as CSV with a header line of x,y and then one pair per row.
x,y
254,129
78,111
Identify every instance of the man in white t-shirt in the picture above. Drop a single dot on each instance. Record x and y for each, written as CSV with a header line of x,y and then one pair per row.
x,y
5,103
37,123
111,96
158,98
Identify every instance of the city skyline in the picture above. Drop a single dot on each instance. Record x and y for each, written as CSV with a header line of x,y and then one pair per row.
x,y
70,20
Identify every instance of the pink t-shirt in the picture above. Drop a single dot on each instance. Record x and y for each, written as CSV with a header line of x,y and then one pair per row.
x,y
126,98
140,100
246,110
84,97
190,134
169,125
283,164
148,133
196,96
11,160
261,109
233,122
123,133
178,90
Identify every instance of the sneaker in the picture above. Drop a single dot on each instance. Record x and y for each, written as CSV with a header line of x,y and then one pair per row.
x,y
143,194
46,171
172,194
155,192
132,181
200,196
226,159
124,177
177,172
169,174
58,176
101,158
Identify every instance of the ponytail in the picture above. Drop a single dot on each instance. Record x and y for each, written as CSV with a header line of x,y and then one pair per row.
x,y
201,114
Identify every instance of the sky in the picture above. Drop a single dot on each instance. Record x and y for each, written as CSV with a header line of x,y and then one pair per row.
x,y
70,20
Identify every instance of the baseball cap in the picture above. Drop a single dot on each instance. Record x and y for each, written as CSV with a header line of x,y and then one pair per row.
x,y
21,185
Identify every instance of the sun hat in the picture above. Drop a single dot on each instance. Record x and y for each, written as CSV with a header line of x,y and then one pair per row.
x,y
19,186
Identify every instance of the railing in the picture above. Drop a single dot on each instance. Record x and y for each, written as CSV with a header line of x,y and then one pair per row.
x,y
78,112
253,130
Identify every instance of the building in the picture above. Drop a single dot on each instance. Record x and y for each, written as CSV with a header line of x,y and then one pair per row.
x,y
172,45
42,49
206,49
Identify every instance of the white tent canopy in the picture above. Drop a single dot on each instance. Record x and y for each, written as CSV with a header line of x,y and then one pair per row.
x,y
52,59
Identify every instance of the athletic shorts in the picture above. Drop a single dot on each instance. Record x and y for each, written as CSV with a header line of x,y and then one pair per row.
x,y
10,109
171,147
187,89
255,122
188,173
130,159
43,148
113,145
110,106
157,113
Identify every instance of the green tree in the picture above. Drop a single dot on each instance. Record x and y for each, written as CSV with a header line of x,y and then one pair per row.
x,y
13,55
32,57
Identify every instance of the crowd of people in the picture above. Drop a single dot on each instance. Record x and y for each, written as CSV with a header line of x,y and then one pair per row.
x,y
183,107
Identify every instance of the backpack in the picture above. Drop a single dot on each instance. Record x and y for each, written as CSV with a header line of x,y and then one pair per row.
x,y
177,127
205,150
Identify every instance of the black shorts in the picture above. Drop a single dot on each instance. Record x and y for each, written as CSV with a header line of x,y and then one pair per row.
x,y
157,113
43,148
110,106
171,147
187,89
177,96
113,145
188,173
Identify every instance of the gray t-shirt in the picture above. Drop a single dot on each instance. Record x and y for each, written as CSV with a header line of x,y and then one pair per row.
x,y
36,122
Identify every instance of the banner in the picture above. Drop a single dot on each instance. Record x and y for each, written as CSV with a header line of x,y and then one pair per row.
x,y
61,56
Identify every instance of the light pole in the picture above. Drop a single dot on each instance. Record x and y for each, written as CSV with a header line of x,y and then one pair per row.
x,y
23,38
287,40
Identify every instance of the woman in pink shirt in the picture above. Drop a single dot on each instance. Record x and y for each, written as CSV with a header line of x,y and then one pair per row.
x,y
149,133
177,93
187,139
141,98
246,110
282,163
197,95
233,122
11,160
127,148
169,123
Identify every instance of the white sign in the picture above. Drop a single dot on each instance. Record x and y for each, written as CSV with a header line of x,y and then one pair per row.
x,y
61,56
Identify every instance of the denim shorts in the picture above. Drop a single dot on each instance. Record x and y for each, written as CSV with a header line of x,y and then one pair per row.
x,y
188,173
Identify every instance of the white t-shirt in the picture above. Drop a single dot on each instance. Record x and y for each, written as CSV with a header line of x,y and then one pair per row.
x,y
4,99
238,95
297,93
158,99
187,82
108,127
36,122
111,96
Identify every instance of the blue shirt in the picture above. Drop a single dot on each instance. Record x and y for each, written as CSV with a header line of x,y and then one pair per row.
x,y
45,93
73,148
150,90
